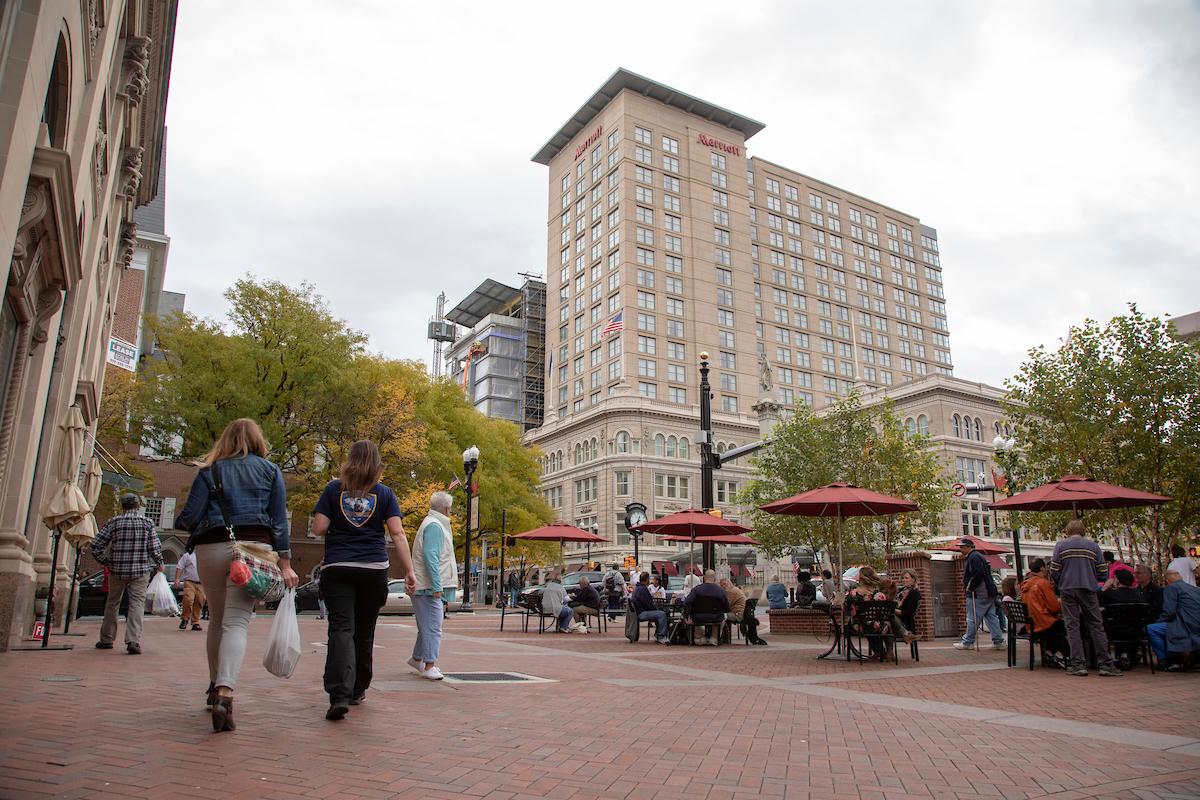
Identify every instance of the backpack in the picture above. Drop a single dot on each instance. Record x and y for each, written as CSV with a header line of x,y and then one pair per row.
x,y
610,583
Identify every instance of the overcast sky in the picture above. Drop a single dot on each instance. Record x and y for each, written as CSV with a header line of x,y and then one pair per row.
x,y
382,152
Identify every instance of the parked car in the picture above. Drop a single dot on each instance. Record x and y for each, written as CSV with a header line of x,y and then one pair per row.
x,y
398,601
92,596
306,599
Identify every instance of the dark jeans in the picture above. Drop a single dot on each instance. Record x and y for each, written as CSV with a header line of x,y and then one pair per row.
x,y
353,597
1082,607
659,618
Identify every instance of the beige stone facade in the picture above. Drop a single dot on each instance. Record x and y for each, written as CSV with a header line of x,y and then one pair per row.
x,y
798,290
83,92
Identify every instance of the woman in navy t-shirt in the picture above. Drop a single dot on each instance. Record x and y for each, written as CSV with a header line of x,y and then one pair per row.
x,y
356,514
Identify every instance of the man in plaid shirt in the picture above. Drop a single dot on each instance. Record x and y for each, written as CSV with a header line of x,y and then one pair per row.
x,y
129,547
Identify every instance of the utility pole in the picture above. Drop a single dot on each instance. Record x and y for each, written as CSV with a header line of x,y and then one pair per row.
x,y
706,456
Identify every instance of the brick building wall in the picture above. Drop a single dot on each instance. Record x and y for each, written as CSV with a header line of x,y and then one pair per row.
x,y
127,318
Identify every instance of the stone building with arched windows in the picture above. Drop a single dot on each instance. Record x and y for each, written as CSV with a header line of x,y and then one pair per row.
x,y
83,92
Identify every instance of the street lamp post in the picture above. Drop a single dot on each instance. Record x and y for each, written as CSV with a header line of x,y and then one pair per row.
x,y
470,462
1004,445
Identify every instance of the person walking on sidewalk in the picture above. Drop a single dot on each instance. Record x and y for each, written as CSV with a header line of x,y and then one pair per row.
x,y
355,514
981,597
237,495
129,547
1078,567
193,592
434,584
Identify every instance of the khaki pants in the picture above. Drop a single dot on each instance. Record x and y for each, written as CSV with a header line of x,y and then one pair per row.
x,y
229,610
136,589
193,601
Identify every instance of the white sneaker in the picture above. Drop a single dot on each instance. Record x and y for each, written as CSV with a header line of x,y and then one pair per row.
x,y
433,674
419,666
964,646
579,630
999,645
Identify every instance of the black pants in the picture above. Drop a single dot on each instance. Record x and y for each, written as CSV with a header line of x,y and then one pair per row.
x,y
353,597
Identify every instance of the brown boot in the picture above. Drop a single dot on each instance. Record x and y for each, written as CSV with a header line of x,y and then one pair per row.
x,y
222,715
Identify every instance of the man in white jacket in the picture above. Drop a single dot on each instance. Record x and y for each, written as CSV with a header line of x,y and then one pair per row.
x,y
436,582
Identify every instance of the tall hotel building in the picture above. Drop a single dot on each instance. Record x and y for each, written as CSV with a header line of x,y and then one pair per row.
x,y
798,290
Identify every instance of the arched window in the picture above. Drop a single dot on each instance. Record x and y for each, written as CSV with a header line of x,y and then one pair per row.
x,y
595,448
672,444
978,430
578,453
720,448
910,425
684,447
559,461
55,109
622,441
956,424
923,425
1007,431
660,444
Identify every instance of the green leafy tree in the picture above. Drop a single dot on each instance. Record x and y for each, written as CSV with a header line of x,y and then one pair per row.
x,y
1118,402
867,447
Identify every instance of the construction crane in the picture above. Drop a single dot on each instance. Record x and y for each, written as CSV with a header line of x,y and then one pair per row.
x,y
440,331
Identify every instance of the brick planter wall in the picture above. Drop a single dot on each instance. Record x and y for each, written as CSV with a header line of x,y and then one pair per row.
x,y
799,621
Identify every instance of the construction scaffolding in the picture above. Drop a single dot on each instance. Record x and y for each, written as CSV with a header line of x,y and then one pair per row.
x,y
534,291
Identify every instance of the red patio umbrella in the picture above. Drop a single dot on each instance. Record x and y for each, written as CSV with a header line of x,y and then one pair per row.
x,y
839,500
692,524
1077,493
560,532
983,546
733,538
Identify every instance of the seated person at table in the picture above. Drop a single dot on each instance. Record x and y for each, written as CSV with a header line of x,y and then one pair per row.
x,y
1176,635
828,586
1114,566
910,599
643,605
867,590
1008,589
656,589
776,594
806,593
1124,593
587,601
1151,591
708,588
1037,593
554,601
892,592
691,580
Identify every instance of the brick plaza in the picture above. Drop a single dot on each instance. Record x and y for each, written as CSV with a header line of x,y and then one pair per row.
x,y
614,720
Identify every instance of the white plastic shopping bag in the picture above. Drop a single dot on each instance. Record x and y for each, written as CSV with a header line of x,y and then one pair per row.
x,y
160,598
283,644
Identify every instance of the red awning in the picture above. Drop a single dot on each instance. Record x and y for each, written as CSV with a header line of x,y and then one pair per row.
x,y
664,568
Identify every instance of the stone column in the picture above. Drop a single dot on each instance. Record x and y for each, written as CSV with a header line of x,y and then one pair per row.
x,y
769,415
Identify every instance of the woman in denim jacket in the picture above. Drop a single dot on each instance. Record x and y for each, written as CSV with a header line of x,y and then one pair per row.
x,y
254,493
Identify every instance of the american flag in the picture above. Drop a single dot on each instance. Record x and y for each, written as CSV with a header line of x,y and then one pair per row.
x,y
614,325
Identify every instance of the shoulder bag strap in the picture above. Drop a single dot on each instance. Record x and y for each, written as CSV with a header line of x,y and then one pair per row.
x,y
219,491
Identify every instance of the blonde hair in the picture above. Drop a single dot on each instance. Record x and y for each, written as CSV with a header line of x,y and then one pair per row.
x,y
240,438
362,468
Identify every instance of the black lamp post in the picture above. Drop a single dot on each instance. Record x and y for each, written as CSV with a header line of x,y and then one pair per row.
x,y
1003,445
470,462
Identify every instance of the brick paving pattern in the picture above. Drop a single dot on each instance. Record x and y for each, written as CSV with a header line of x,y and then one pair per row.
x,y
617,721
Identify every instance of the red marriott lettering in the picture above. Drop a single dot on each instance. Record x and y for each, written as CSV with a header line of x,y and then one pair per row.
x,y
708,141
591,140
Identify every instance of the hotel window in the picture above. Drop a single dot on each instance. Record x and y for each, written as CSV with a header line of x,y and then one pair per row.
x,y
724,297
675,264
720,199
673,243
614,370
649,390
641,135
646,322
725,277
670,145
675,307
671,203
719,179
772,186
674,327
645,278
721,236
585,490
614,303
674,285
646,345
724,317
670,163
645,257
670,183
645,236
647,368
814,201
644,215
621,483
729,403
676,394
717,160
645,300
643,195
643,175
672,487
673,223
723,257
